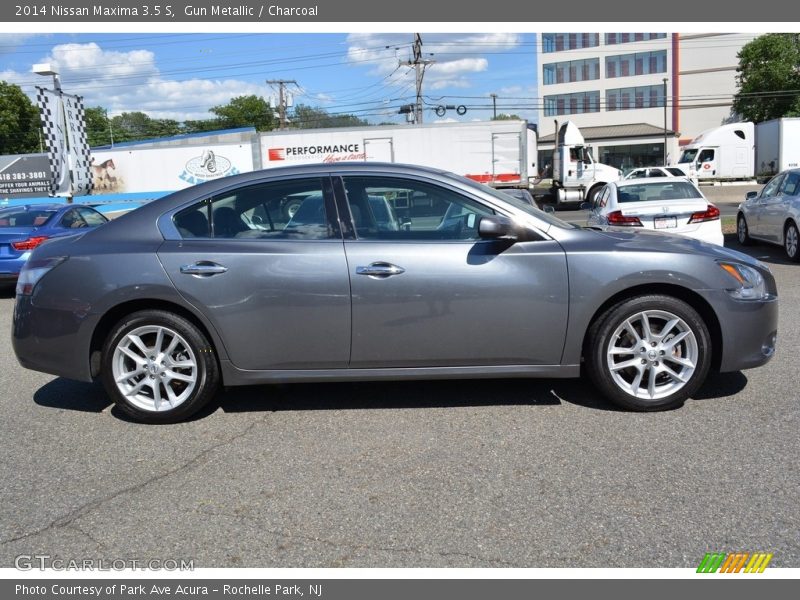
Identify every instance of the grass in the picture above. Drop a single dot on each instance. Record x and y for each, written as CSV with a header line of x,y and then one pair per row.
x,y
729,224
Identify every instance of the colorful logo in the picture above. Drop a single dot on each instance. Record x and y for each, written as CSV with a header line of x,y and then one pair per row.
x,y
735,562
277,153
209,165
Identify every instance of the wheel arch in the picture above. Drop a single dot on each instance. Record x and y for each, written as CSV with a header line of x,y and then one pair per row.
x,y
692,298
118,312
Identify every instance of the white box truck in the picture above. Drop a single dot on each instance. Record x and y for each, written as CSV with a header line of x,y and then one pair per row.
x,y
777,146
499,153
726,152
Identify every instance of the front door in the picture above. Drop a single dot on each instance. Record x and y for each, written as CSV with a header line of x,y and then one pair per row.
x,y
427,291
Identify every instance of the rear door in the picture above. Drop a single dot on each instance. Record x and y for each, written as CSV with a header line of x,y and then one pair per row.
x,y
764,209
431,293
379,149
275,287
506,157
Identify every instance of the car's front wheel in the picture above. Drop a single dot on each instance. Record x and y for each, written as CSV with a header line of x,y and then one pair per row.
x,y
648,353
742,231
791,240
158,367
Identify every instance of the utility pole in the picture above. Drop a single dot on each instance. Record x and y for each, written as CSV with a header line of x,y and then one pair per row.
x,y
494,104
419,71
282,98
665,121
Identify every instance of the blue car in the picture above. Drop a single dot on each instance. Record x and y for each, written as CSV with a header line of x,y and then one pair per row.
x,y
23,228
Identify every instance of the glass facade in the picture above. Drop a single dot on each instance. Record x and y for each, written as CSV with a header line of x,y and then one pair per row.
x,y
632,156
572,104
558,42
624,38
641,63
571,71
646,96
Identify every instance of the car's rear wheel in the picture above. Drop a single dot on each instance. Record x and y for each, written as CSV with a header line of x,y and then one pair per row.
x,y
159,367
648,353
790,241
742,231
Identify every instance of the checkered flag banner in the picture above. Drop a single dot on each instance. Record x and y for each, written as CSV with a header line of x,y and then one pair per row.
x,y
80,161
52,117
64,127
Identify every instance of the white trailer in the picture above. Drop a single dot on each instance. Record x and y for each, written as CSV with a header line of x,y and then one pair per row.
x,y
499,153
726,152
777,146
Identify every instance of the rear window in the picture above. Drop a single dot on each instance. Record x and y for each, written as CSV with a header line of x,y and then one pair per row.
x,y
17,217
646,192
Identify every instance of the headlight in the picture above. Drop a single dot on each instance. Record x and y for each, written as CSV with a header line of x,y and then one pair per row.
x,y
33,271
750,284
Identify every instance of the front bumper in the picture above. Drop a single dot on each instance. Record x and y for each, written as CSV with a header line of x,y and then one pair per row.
x,y
749,331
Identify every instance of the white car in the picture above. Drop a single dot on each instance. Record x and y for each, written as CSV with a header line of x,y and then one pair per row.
x,y
655,172
667,204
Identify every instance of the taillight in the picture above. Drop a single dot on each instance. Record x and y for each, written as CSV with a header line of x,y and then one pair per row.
x,y
29,244
710,214
33,270
616,218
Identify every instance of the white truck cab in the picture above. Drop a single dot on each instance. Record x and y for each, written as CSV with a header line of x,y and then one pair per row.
x,y
577,177
725,152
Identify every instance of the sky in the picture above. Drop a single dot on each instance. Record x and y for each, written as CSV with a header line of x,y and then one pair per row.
x,y
181,75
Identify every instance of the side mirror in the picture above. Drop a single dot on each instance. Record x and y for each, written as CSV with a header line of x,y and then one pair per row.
x,y
549,209
751,195
586,206
493,227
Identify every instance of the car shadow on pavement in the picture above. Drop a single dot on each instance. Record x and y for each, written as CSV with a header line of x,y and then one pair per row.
x,y
7,291
410,394
67,394
767,253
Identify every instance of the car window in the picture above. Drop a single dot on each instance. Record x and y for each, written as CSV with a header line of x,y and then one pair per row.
x,y
293,209
655,173
791,184
431,213
637,173
676,172
21,217
72,219
772,187
646,192
91,217
602,200
706,155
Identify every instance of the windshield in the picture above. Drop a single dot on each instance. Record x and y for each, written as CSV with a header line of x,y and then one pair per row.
x,y
517,203
20,217
688,156
646,192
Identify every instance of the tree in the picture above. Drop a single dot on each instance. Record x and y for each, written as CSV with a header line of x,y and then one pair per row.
x,y
244,111
19,121
769,78
98,127
507,117
307,117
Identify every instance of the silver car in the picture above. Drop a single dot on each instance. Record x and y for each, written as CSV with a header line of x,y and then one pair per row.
x,y
773,214
218,285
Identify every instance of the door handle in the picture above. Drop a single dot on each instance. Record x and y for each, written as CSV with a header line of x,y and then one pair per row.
x,y
380,270
203,269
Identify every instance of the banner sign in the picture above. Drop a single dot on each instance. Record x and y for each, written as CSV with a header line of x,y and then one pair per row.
x,y
64,129
24,175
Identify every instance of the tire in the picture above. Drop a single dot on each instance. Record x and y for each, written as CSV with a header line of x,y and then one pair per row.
x,y
791,241
743,231
660,382
158,346
593,194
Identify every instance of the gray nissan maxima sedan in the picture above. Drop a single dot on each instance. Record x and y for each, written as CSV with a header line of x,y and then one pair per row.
x,y
218,285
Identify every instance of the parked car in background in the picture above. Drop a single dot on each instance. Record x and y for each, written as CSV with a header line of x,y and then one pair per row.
x,y
666,204
773,214
23,228
164,308
655,172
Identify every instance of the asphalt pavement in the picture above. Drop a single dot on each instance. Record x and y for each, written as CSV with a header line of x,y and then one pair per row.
x,y
517,473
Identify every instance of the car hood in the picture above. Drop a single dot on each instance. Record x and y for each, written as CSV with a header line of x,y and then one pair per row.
x,y
641,240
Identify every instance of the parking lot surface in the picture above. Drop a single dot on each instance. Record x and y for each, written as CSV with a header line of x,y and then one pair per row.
x,y
514,473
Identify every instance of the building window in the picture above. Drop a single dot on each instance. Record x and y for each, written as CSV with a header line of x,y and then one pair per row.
x,y
571,71
570,104
641,63
558,42
648,96
623,38
632,156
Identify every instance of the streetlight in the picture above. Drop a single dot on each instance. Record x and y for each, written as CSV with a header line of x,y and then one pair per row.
x,y
665,121
49,69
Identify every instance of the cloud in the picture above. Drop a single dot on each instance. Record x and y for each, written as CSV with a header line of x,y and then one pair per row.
x,y
455,56
131,81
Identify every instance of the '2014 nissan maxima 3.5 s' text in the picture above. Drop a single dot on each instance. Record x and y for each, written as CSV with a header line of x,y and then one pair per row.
x,y
381,272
